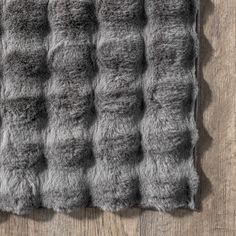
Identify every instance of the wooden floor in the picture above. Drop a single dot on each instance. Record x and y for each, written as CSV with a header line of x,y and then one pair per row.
x,y
216,152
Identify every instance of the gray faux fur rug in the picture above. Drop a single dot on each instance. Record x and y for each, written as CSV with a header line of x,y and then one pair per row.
x,y
97,104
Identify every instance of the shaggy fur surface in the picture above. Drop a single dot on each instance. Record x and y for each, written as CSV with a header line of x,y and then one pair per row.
x,y
97,104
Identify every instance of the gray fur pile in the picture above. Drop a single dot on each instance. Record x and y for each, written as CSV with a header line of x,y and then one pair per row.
x,y
97,104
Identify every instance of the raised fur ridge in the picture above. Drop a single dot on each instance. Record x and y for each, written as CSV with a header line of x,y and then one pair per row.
x,y
97,104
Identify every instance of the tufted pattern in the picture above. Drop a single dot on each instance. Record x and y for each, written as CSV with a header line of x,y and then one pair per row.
x,y
97,104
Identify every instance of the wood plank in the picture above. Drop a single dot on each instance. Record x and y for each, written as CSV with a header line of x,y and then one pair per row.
x,y
84,222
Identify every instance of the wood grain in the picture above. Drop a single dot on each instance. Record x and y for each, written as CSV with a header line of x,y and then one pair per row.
x,y
216,153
